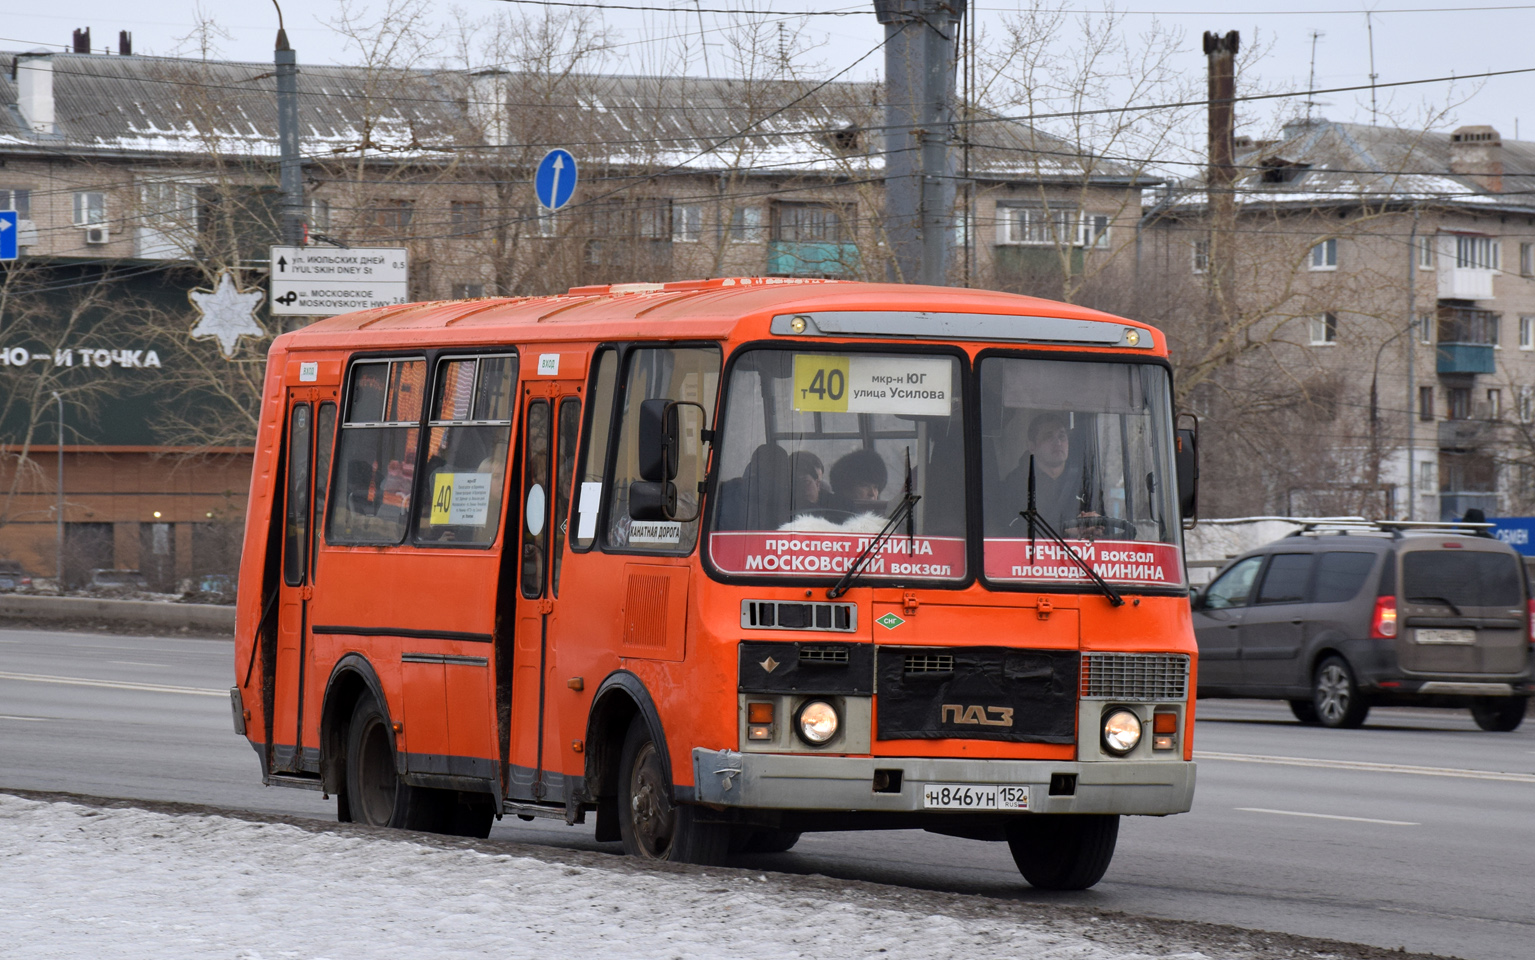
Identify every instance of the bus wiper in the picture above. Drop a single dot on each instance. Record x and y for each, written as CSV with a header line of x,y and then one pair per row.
x,y
902,511
1445,601
1033,517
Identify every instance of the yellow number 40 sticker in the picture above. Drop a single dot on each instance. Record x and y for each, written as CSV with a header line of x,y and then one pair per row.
x,y
820,383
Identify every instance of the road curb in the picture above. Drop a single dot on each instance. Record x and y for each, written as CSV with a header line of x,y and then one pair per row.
x,y
199,617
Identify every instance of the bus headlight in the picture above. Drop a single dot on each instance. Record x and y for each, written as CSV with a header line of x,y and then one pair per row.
x,y
1121,731
816,722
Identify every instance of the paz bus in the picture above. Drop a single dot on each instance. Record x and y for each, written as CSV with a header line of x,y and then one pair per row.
x,y
721,562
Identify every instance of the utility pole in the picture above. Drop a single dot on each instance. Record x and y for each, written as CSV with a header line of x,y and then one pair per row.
x,y
292,167
920,58
1220,179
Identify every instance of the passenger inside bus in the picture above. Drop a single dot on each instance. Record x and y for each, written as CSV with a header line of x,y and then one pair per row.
x,y
857,480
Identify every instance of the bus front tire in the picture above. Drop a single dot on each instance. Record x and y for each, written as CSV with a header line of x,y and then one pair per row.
x,y
651,824
1063,851
1499,714
375,794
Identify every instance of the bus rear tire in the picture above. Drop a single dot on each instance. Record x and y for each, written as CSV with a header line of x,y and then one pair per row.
x,y
653,826
770,840
375,794
1063,851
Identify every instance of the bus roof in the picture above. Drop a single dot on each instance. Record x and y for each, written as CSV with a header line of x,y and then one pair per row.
x,y
728,307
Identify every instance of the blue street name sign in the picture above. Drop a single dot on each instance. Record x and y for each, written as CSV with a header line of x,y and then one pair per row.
x,y
8,232
555,180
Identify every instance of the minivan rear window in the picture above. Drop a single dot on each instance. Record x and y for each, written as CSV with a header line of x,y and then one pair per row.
x,y
1339,575
1465,578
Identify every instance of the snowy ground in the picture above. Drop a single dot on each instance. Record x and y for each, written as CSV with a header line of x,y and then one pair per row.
x,y
82,880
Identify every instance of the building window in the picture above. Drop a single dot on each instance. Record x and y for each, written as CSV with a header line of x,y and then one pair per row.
x,y
1494,404
1469,325
653,220
90,208
1425,328
1324,256
1425,253
1324,329
1425,403
319,216
1458,405
687,223
1526,404
1527,259
746,225
468,291
1201,256
1095,230
1527,333
1037,226
393,216
1426,480
808,223
467,217
1476,253
13,198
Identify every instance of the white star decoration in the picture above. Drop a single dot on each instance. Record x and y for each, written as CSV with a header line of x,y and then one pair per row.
x,y
227,314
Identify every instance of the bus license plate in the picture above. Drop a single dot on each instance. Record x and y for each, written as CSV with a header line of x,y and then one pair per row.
x,y
975,796
1446,636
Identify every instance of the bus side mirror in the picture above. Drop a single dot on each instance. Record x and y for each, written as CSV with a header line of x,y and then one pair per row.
x,y
658,441
1186,463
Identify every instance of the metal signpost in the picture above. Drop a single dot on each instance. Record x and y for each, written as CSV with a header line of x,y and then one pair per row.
x,y
9,227
555,179
325,281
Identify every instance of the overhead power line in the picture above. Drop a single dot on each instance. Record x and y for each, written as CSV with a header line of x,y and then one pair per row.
x,y
651,8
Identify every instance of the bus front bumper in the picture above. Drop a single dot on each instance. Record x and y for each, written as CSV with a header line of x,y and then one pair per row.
x,y
776,781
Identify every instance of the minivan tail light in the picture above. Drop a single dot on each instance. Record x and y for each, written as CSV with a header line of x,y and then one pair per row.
x,y
1383,624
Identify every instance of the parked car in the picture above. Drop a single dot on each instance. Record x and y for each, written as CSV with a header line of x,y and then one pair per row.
x,y
117,581
12,577
1337,619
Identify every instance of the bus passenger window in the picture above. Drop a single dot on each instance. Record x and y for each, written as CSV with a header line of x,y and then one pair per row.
x,y
600,410
377,453
466,451
296,530
564,470
325,437
535,487
686,373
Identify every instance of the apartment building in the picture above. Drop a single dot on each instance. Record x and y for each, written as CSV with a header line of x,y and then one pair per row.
x,y
141,179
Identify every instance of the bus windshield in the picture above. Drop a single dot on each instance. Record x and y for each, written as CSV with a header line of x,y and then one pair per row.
x,y
1097,438
817,452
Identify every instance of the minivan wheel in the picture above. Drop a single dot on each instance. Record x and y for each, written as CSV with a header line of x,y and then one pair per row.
x,y
1499,714
1336,696
1304,710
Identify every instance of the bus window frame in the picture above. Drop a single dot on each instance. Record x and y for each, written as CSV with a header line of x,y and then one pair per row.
x,y
994,586
620,392
436,359
969,399
584,451
430,355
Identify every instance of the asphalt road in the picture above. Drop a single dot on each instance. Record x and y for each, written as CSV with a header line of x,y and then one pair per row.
x,y
1416,831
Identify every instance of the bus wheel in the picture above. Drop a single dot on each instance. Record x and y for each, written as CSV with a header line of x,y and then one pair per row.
x,y
651,825
1063,851
1499,714
375,793
765,841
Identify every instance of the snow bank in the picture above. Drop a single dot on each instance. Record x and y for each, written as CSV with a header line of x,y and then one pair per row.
x,y
80,881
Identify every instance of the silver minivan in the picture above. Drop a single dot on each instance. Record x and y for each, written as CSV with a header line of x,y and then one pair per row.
x,y
1336,618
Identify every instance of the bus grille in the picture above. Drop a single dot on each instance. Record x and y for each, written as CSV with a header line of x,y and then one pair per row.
x,y
809,653
1135,676
929,663
774,615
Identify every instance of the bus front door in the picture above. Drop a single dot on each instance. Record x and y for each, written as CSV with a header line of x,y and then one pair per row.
x,y
551,422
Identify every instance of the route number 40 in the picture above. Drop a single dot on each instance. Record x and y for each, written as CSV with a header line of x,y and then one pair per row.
x,y
820,383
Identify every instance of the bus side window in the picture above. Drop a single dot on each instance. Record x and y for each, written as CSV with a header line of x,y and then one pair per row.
x,y
564,473
674,373
598,432
325,438
466,451
295,554
377,454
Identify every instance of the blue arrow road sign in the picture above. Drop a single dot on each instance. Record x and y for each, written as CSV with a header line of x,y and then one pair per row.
x,y
8,226
555,180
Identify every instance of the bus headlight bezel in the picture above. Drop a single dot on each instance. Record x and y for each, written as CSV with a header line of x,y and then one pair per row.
x,y
816,712
1121,731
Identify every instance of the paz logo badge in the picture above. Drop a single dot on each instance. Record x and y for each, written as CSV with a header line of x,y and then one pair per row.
x,y
890,621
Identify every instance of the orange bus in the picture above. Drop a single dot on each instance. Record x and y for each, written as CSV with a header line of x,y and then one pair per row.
x,y
725,561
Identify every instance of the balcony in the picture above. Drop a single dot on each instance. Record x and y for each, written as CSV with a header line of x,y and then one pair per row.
x,y
789,258
1465,358
1465,283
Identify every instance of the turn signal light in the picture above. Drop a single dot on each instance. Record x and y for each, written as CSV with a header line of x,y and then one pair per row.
x,y
1164,723
759,713
1383,623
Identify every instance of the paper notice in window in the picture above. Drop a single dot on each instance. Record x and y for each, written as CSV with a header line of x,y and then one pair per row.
x,y
460,499
911,386
591,500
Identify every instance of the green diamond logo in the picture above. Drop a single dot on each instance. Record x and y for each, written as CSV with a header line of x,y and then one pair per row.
x,y
890,621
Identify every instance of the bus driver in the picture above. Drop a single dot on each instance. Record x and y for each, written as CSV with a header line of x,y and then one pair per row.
x,y
1059,496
